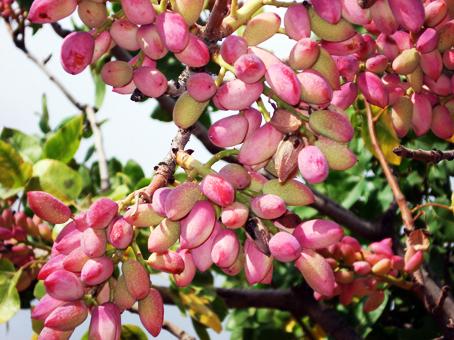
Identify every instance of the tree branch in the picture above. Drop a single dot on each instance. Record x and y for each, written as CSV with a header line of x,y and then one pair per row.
x,y
176,331
212,30
164,171
88,110
427,156
298,301
407,216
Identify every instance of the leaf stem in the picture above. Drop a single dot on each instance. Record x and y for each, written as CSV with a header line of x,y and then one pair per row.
x,y
263,110
270,94
220,155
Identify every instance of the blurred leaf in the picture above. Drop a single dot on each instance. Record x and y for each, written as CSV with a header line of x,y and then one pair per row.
x,y
63,144
100,89
132,332
58,179
205,119
199,308
386,136
44,119
170,66
354,195
39,291
134,171
85,336
201,330
28,146
220,307
119,192
91,150
367,320
37,326
14,171
9,297
159,113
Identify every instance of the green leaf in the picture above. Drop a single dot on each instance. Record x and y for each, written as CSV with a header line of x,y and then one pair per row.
x,y
159,113
354,195
100,89
91,150
134,171
44,119
9,297
14,171
58,179
132,332
367,320
63,144
387,138
119,192
205,119
28,146
39,291
201,330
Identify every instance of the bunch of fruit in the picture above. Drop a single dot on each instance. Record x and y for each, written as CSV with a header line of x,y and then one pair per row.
x,y
78,276
15,230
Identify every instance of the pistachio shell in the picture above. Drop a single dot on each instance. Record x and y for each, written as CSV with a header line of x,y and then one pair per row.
x,y
187,111
293,192
331,124
340,31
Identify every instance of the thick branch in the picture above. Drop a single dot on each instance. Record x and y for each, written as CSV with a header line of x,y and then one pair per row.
x,y
427,156
213,28
297,301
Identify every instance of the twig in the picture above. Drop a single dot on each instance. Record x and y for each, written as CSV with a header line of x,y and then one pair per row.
x,y
398,195
99,146
176,331
427,156
431,204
